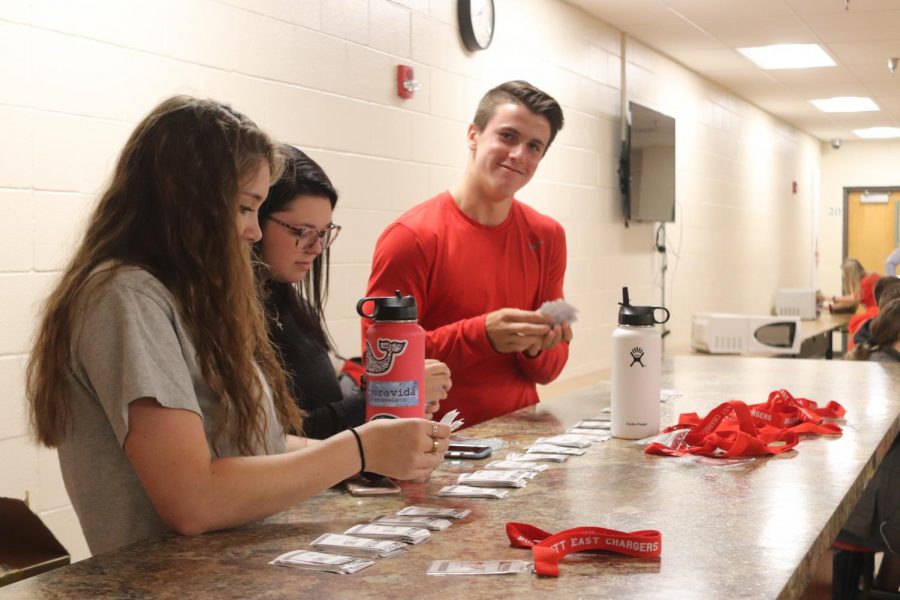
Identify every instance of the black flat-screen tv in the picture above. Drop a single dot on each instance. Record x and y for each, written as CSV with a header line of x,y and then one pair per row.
x,y
647,166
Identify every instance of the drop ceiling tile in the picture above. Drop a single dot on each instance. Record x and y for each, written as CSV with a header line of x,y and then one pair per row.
x,y
824,89
749,79
863,120
877,80
875,51
759,31
674,37
712,61
751,85
878,89
806,120
633,12
706,10
830,132
799,78
814,7
876,71
889,103
784,103
856,26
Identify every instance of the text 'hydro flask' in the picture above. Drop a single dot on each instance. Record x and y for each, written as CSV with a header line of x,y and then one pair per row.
x,y
395,358
636,370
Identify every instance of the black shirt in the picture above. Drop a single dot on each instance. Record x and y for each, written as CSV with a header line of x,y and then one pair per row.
x,y
311,377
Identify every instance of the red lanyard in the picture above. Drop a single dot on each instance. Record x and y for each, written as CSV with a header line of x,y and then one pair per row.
x,y
783,410
547,549
727,431
734,429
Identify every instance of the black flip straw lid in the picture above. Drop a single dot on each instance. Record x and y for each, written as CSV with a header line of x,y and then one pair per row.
x,y
638,315
390,308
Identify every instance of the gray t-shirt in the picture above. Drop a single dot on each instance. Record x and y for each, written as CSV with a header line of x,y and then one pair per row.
x,y
131,343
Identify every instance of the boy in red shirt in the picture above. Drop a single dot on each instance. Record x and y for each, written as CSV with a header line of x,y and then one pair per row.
x,y
480,263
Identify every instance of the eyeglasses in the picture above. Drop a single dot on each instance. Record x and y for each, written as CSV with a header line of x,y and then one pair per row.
x,y
306,238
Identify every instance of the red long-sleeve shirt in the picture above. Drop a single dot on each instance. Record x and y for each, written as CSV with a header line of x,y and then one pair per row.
x,y
867,300
459,270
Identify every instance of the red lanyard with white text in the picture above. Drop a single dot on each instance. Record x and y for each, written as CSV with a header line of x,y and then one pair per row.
x,y
547,549
728,431
783,410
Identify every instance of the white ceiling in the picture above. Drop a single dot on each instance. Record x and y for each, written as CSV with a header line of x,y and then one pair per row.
x,y
703,35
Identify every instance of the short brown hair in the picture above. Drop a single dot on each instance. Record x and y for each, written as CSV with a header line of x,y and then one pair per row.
x,y
886,289
525,94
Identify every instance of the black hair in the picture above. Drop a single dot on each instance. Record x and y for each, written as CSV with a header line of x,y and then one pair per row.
x,y
305,299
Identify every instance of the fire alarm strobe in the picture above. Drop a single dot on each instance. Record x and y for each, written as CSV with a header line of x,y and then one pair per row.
x,y
407,86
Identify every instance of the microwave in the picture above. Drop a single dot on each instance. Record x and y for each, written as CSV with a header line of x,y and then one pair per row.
x,y
723,333
796,302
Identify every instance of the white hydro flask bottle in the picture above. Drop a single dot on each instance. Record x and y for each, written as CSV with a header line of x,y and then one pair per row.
x,y
636,370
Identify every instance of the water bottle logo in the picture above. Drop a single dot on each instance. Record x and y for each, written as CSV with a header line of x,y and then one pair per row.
x,y
390,349
637,353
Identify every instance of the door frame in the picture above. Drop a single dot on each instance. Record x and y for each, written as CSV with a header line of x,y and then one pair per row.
x,y
890,189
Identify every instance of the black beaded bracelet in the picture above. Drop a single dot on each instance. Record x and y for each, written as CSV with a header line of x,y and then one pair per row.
x,y
362,455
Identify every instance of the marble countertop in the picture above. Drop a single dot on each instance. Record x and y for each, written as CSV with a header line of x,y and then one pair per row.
x,y
750,530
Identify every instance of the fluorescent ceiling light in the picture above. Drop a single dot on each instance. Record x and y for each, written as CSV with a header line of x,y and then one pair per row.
x,y
872,133
788,56
845,104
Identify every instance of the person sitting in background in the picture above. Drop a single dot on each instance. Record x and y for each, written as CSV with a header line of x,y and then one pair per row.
x,y
890,265
875,520
293,264
886,290
858,286
151,371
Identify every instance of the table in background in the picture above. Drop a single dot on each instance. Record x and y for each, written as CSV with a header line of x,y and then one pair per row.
x,y
816,340
744,531
817,337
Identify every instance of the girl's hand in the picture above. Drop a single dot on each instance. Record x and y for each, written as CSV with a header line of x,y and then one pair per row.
x,y
437,384
404,448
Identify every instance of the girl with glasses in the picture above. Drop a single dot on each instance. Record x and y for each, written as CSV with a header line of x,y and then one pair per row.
x,y
152,373
297,231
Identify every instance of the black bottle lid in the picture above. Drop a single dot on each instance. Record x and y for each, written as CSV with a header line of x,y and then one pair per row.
x,y
390,308
638,315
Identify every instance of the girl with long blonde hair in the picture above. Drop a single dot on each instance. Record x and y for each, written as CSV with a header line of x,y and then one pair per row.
x,y
858,287
152,372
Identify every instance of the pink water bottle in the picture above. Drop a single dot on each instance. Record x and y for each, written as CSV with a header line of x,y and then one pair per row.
x,y
394,358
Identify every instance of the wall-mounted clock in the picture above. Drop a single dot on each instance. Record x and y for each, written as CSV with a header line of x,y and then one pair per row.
x,y
476,23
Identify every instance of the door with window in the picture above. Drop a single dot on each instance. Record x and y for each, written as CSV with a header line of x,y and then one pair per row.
x,y
872,227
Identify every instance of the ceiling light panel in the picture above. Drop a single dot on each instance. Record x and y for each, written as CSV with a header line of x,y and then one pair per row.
x,y
877,133
788,56
845,104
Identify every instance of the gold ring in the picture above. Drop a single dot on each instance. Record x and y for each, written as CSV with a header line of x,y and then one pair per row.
x,y
434,446
434,429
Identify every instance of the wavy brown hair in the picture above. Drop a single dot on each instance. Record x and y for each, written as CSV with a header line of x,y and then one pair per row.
x,y
171,208
885,333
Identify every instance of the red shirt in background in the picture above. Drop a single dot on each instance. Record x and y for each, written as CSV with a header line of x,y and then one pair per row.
x,y
867,300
